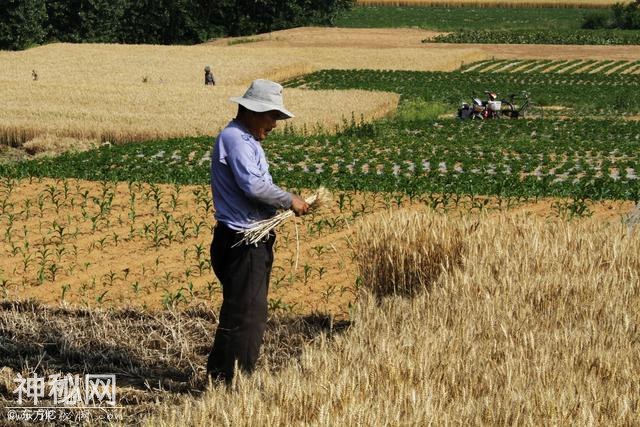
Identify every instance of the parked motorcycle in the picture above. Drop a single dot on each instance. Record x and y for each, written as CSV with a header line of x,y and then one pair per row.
x,y
480,109
515,106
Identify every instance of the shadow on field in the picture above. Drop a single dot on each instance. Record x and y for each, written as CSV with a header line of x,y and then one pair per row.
x,y
156,356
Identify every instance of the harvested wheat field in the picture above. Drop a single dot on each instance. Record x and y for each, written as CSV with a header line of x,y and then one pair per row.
x,y
535,321
368,38
400,41
492,3
357,48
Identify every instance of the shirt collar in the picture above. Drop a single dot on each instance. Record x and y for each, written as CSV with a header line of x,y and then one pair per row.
x,y
244,129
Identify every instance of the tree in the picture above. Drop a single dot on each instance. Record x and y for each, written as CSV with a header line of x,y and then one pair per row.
x,y
22,23
63,20
100,20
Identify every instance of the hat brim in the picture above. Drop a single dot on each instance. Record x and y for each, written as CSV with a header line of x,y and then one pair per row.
x,y
261,107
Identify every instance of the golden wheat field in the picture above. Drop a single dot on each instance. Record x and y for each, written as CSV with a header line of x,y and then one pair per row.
x,y
493,3
360,38
404,49
137,112
535,323
122,93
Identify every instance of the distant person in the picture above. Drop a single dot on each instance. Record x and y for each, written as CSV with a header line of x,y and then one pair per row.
x,y
34,75
208,76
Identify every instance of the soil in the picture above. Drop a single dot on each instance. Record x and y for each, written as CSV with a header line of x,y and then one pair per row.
x,y
113,267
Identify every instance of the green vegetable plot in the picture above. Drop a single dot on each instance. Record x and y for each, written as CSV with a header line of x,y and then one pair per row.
x,y
608,96
458,18
580,37
529,158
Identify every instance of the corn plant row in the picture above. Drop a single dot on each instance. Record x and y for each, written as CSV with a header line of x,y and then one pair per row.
x,y
595,158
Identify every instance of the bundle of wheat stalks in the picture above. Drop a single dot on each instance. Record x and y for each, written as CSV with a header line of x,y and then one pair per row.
x,y
262,228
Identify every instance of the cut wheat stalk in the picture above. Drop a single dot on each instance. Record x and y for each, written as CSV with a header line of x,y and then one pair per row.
x,y
260,229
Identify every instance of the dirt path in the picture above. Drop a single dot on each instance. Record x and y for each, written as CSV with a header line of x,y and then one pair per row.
x,y
374,38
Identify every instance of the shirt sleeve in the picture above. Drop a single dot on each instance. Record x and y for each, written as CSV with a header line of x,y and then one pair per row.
x,y
255,184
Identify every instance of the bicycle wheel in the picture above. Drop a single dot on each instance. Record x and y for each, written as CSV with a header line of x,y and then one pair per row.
x,y
508,110
533,111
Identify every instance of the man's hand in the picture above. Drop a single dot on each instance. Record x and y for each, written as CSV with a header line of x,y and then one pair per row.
x,y
299,206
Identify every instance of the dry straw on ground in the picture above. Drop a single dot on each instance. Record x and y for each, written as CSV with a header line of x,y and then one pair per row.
x,y
158,357
493,3
51,145
539,327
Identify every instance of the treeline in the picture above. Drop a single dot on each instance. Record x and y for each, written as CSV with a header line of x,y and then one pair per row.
x,y
24,23
622,16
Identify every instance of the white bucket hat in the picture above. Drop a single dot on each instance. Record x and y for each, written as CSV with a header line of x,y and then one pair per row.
x,y
263,95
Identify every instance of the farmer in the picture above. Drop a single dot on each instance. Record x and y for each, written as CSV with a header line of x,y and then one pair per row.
x,y
208,76
244,192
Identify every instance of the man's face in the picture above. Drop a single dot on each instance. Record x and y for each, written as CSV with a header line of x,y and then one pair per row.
x,y
263,123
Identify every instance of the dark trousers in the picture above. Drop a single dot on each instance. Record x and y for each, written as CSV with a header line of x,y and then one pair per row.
x,y
244,272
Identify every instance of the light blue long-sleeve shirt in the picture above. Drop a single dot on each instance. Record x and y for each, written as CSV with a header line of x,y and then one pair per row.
x,y
242,187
